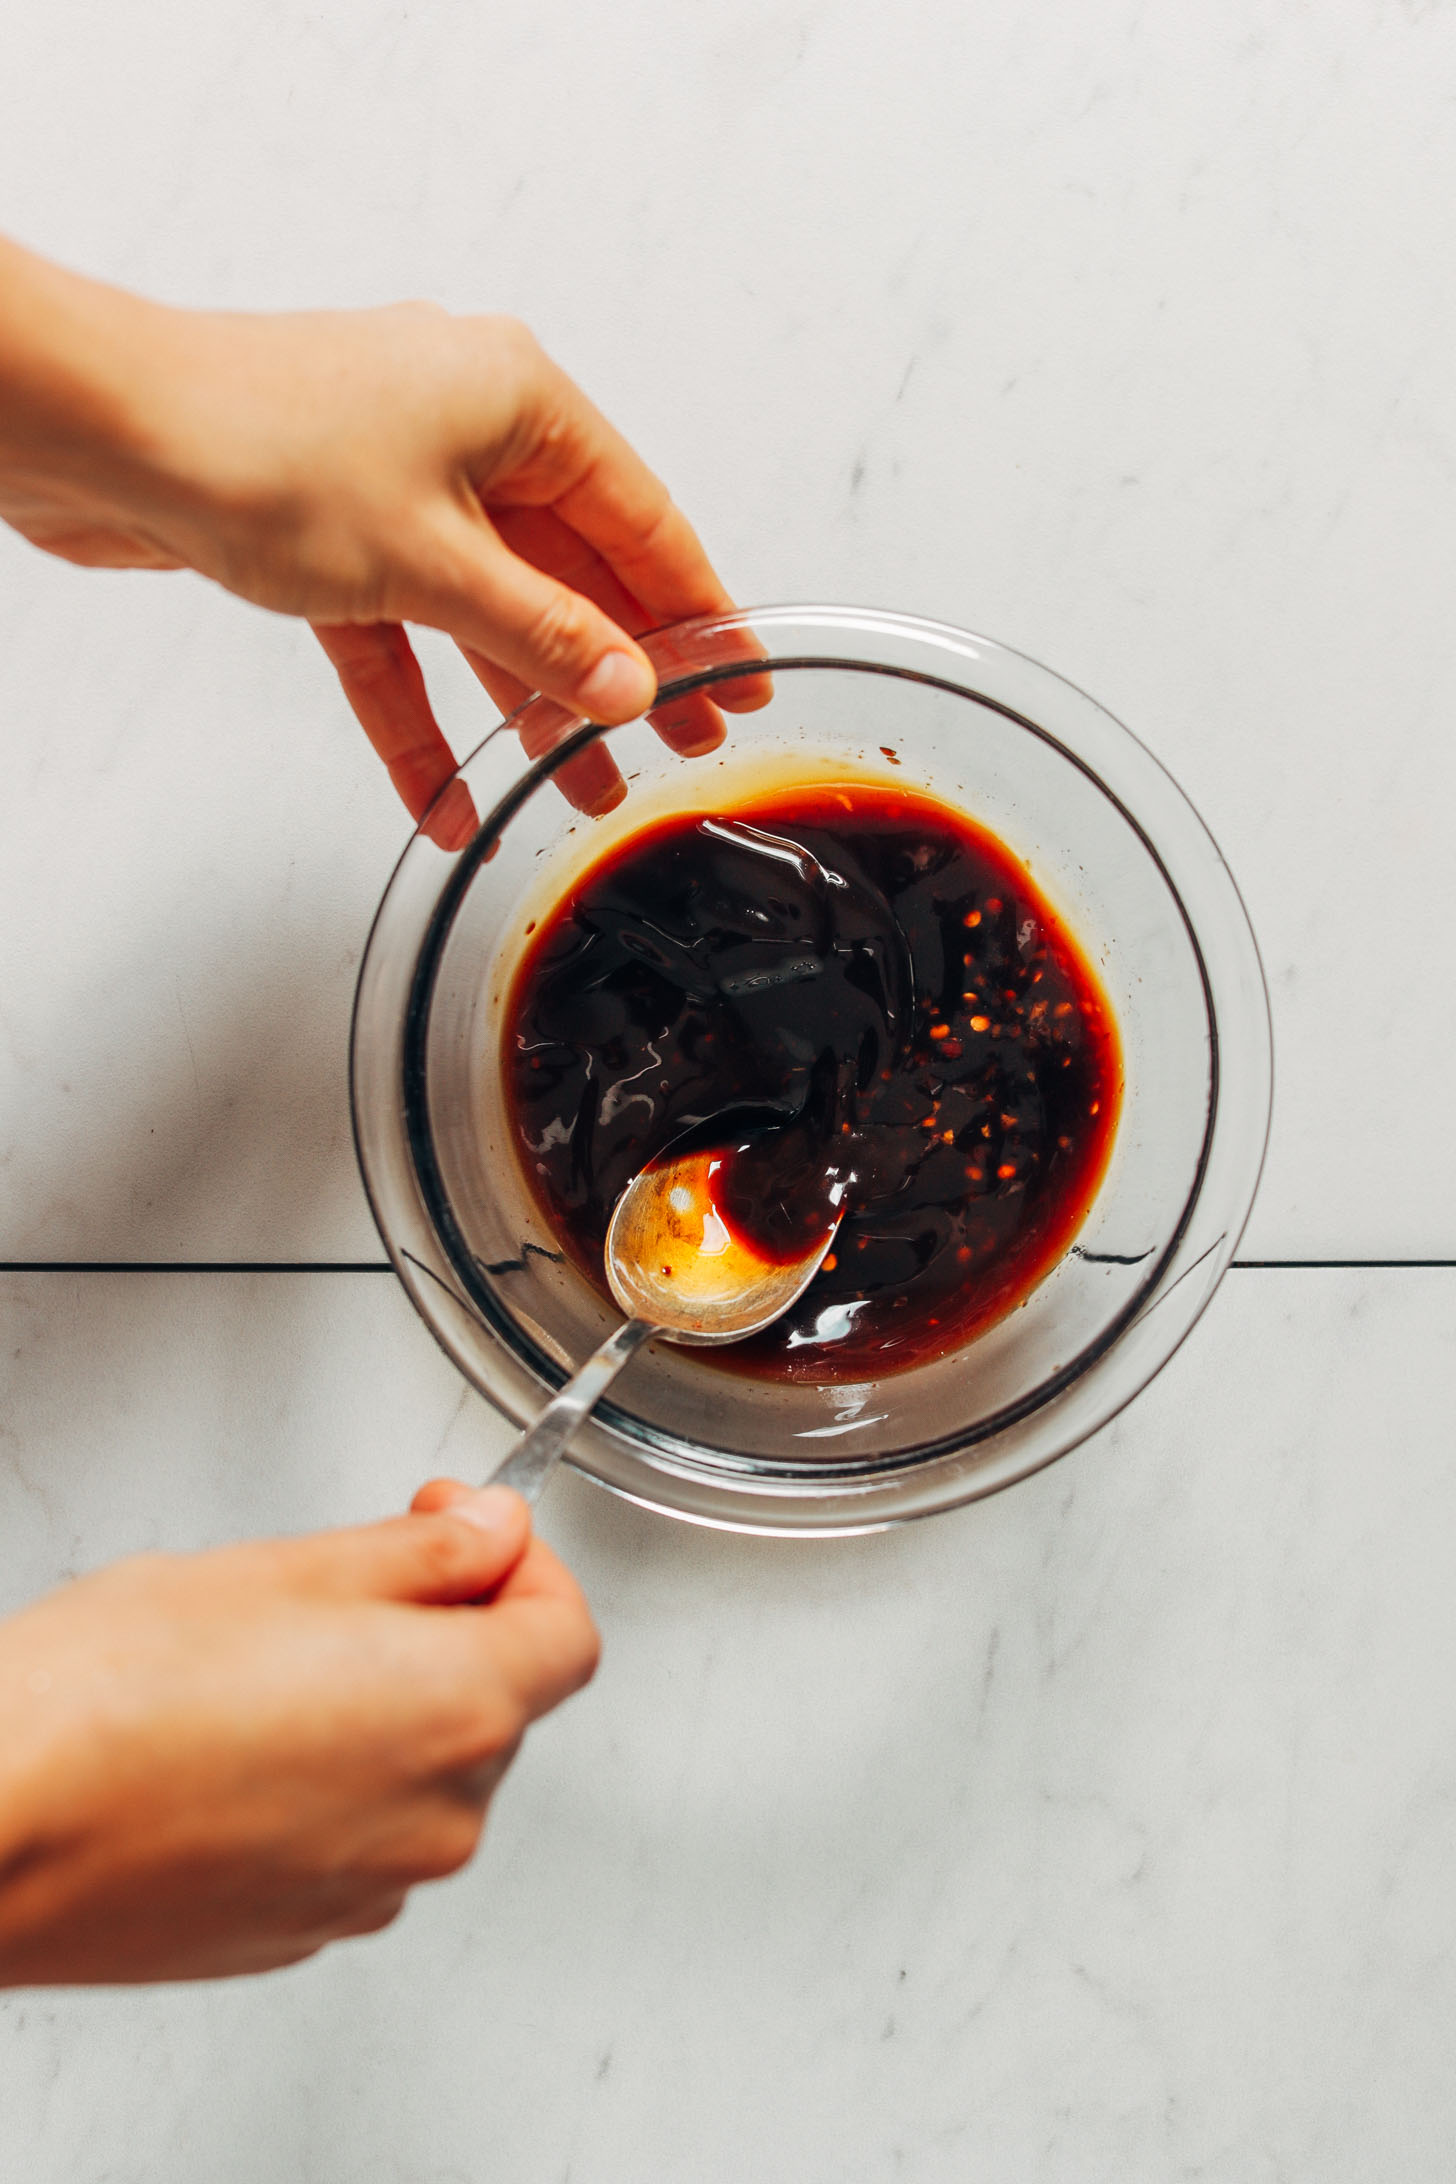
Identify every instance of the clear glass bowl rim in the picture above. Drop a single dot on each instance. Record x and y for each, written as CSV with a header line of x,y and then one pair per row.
x,y
864,639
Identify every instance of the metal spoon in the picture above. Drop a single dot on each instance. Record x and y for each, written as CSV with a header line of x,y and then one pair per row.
x,y
676,1269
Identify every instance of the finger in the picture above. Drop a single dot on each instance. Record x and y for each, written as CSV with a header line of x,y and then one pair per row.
x,y
437,1494
539,1576
539,535
369,1917
436,1559
452,820
541,631
691,725
599,486
381,679
537,1633
591,781
580,465
745,692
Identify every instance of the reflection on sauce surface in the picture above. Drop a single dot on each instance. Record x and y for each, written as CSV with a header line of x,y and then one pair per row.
x,y
867,991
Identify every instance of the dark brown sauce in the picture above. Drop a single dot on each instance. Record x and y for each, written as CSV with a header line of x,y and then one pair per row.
x,y
848,985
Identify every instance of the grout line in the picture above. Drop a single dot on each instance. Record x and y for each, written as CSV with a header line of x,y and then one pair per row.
x,y
1255,1265
195,1266
382,1266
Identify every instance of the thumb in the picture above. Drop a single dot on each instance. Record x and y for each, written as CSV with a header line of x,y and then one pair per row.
x,y
434,1558
549,637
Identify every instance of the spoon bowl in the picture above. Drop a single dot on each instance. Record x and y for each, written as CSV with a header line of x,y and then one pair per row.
x,y
674,1257
678,1267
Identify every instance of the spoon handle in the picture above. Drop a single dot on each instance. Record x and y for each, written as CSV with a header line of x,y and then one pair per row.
x,y
534,1457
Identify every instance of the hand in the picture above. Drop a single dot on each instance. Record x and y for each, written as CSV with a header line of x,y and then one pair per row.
x,y
381,467
216,1763
363,469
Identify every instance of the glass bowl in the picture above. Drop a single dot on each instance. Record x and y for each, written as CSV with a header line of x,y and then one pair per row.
x,y
1109,839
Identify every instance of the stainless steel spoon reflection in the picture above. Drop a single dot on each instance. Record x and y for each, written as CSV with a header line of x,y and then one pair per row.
x,y
677,1270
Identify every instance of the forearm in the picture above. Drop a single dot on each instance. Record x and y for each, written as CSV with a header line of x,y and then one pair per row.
x,y
27,1702
84,402
365,470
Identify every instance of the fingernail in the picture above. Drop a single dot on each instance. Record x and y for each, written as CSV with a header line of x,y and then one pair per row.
x,y
490,1509
692,733
610,797
618,688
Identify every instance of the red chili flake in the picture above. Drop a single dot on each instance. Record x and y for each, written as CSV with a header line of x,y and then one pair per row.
x,y
972,917
886,752
1094,1107
1006,1168
993,904
980,1023
532,926
1063,1008
830,1263
947,1137
964,1252
952,1050
970,997
940,1031
977,1175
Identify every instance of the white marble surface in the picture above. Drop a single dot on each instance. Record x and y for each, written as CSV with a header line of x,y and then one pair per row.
x,y
1103,1832
1122,334
1097,1835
